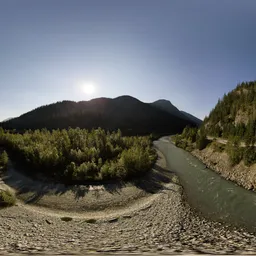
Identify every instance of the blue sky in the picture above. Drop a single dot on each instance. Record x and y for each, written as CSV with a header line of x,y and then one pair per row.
x,y
189,52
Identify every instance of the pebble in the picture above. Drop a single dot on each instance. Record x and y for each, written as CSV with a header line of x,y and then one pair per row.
x,y
168,226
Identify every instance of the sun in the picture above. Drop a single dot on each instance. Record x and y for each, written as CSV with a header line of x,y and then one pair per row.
x,y
88,88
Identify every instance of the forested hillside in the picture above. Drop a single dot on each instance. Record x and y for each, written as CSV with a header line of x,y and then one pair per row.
x,y
126,113
234,115
226,139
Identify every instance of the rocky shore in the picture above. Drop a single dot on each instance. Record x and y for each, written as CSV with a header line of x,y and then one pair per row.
x,y
164,225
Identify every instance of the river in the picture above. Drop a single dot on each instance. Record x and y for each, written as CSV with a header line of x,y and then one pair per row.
x,y
207,192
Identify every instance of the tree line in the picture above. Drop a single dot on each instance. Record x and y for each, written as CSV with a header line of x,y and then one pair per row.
x,y
193,138
79,155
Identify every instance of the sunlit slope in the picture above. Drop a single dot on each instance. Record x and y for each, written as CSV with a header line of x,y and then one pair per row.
x,y
234,115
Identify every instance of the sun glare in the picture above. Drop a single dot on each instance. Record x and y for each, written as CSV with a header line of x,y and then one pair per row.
x,y
88,88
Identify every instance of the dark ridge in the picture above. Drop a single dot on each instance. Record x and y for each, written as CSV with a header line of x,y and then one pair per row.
x,y
126,113
167,106
192,118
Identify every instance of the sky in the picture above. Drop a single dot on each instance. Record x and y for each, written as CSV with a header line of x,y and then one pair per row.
x,y
190,52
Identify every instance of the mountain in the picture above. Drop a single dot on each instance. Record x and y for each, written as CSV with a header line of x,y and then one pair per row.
x,y
126,113
167,106
192,118
234,115
7,119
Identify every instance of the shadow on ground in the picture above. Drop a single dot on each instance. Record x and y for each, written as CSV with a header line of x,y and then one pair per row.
x,y
152,182
155,180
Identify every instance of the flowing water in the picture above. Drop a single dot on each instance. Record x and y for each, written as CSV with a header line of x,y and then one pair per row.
x,y
209,193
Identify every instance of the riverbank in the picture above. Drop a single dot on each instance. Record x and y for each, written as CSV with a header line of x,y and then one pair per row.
x,y
90,199
166,225
218,161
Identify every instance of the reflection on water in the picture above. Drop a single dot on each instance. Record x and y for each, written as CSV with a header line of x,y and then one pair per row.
x,y
208,192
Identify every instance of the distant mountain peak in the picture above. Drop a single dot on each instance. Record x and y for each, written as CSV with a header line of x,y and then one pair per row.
x,y
163,100
167,106
124,112
126,97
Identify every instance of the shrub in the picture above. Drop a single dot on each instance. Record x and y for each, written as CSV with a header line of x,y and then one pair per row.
x,y
218,147
249,156
113,170
180,142
235,155
201,142
189,148
4,159
135,160
7,198
189,134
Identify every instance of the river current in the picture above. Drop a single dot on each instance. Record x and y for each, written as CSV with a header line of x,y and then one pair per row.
x,y
207,192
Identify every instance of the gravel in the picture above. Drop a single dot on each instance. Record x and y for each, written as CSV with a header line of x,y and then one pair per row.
x,y
165,226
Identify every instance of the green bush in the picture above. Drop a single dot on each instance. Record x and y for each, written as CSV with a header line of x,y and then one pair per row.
x,y
7,198
113,170
249,156
235,155
180,142
137,160
189,134
4,159
201,142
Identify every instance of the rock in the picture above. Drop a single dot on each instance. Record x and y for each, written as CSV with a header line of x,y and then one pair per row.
x,y
127,216
146,207
113,220
91,221
48,222
67,219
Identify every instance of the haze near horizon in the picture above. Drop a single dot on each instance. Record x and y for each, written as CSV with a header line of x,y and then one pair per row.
x,y
188,52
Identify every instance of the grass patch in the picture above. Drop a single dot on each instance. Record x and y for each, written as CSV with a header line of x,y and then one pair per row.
x,y
3,160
